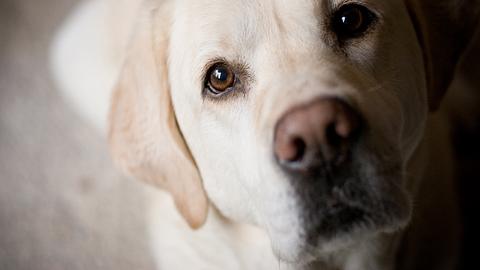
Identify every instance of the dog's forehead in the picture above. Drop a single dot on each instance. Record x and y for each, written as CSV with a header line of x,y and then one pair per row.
x,y
233,28
261,10
246,22
251,31
263,15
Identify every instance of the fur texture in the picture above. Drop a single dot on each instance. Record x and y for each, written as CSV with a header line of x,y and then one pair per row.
x,y
214,156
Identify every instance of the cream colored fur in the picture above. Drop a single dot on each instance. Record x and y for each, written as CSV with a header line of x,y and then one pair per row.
x,y
213,158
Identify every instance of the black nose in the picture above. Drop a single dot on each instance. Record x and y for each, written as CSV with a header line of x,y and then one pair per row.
x,y
316,135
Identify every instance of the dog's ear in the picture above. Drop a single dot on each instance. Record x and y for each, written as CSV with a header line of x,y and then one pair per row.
x,y
444,29
144,137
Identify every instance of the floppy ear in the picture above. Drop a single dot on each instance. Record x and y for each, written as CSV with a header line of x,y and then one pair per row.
x,y
144,137
444,29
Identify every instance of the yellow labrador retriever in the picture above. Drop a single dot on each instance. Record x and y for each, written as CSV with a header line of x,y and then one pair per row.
x,y
290,134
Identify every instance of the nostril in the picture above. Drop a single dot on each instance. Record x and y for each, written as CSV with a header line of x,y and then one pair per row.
x,y
300,147
290,149
334,139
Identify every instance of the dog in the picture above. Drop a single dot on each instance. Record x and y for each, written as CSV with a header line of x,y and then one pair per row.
x,y
283,134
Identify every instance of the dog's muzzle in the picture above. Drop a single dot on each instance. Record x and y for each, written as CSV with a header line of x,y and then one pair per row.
x,y
314,146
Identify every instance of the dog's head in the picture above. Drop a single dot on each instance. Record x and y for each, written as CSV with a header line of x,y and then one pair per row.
x,y
296,116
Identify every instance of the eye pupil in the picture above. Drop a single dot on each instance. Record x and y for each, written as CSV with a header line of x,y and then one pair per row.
x,y
220,74
352,20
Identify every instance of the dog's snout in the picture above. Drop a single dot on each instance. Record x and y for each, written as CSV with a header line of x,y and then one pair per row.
x,y
316,136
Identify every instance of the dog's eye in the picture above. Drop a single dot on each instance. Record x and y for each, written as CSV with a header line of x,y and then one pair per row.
x,y
220,78
352,20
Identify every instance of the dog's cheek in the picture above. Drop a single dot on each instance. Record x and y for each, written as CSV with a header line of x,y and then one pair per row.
x,y
407,81
223,143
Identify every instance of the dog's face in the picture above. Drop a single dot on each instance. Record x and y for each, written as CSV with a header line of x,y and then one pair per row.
x,y
299,115
235,76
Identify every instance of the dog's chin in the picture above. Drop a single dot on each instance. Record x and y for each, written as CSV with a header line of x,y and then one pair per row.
x,y
360,200
357,233
345,224
344,220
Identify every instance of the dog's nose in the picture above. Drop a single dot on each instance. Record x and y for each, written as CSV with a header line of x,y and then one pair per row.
x,y
316,136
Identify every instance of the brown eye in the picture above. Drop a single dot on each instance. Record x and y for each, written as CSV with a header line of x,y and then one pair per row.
x,y
220,78
352,20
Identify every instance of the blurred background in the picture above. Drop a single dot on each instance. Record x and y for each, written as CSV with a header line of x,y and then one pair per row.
x,y
62,203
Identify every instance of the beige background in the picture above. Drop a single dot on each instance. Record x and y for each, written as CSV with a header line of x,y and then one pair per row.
x,y
62,204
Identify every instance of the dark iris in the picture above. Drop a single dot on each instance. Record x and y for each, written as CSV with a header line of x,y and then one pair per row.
x,y
220,74
352,20
220,78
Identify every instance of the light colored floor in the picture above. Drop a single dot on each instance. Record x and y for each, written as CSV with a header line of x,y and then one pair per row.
x,y
62,204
